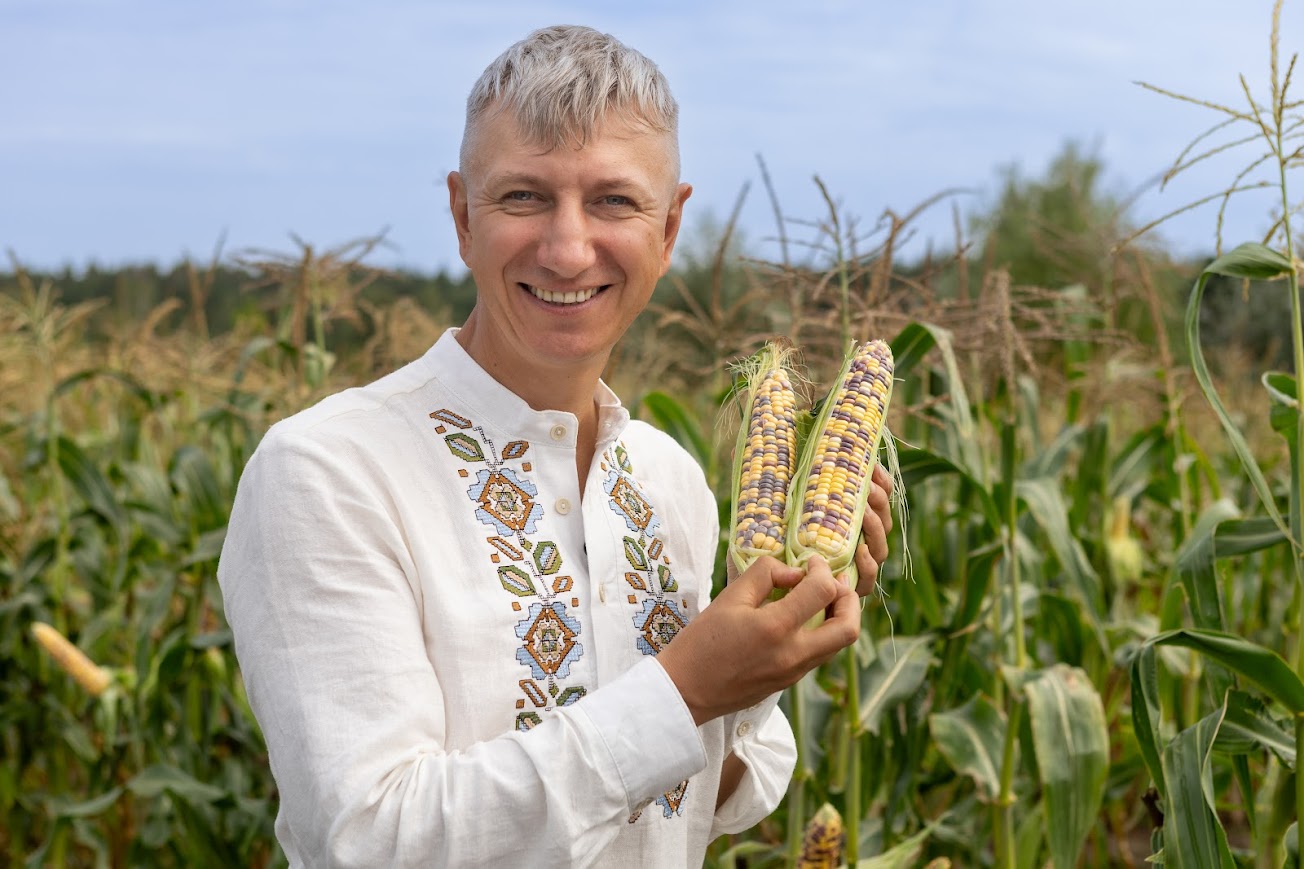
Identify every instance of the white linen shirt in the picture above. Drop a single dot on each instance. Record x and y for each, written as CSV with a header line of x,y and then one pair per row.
x,y
452,655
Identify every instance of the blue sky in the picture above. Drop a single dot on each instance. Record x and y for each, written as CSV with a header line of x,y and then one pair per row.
x,y
143,131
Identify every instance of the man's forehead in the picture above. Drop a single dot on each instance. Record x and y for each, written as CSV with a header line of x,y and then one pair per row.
x,y
502,149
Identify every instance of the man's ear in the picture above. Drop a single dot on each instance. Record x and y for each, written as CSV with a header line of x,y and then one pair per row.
x,y
459,205
674,220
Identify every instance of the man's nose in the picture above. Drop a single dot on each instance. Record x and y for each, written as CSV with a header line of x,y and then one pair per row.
x,y
566,248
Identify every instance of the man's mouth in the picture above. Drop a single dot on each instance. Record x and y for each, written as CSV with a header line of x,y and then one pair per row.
x,y
573,297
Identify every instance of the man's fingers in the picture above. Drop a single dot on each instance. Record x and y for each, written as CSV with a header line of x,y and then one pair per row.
x,y
841,626
816,590
873,535
756,582
867,568
880,501
882,480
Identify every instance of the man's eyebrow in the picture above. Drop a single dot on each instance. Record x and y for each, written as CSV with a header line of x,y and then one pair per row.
x,y
526,179
523,178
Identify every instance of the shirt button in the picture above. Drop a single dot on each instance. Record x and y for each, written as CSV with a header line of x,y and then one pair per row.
x,y
744,729
563,506
558,432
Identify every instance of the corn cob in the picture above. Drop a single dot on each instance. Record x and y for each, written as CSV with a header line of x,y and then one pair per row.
x,y
821,843
764,458
838,459
94,679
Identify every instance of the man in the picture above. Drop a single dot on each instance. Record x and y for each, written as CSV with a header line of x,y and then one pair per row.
x,y
470,600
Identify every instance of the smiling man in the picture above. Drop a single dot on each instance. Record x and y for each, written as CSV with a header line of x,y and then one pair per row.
x,y
471,600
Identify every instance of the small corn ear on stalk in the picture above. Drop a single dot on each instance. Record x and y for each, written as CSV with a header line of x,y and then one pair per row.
x,y
821,844
838,460
764,458
93,678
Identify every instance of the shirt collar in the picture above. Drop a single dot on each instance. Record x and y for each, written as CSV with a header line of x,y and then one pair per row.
x,y
489,402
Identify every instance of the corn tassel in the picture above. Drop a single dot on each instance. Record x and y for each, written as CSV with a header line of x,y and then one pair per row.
x,y
765,457
837,461
93,678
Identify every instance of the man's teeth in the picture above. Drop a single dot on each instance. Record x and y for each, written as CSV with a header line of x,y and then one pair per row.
x,y
572,298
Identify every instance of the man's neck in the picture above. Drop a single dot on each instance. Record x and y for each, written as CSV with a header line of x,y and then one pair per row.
x,y
568,388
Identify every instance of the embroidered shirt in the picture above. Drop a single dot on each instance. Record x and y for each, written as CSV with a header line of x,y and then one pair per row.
x,y
453,656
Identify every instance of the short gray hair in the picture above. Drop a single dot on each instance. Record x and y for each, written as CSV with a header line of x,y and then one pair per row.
x,y
560,82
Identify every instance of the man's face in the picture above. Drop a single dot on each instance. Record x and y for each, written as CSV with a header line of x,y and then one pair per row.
x,y
565,246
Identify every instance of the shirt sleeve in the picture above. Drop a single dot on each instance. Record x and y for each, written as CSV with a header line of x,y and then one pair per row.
x,y
763,741
759,736
318,592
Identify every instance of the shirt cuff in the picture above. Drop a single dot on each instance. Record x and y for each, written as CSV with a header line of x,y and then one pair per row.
x,y
769,752
648,730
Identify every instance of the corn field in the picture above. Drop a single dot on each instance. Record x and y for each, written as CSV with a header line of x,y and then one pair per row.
x,y
1086,645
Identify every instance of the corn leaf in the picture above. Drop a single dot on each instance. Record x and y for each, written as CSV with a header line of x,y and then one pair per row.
x,y
1146,713
1071,742
63,807
1193,836
1250,262
1045,503
1196,569
1130,472
909,346
918,465
904,855
156,779
1247,727
971,737
1258,664
895,676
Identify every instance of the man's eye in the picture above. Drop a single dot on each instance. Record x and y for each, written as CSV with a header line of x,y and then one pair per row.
x,y
616,201
520,196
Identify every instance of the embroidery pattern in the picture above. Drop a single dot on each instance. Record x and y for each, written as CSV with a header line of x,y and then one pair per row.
x,y
529,570
649,577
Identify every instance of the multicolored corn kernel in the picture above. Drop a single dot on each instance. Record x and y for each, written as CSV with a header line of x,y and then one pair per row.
x,y
767,465
821,844
765,456
842,456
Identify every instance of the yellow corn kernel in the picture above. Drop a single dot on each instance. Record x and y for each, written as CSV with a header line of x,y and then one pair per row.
x,y
839,459
93,678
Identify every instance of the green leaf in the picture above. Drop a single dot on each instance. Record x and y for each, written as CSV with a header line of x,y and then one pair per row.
x,y
971,737
912,343
977,580
1146,712
904,855
1046,505
89,481
1071,741
62,807
909,346
1196,569
918,465
154,780
1254,262
1247,727
1243,536
1251,261
1193,835
1260,665
895,676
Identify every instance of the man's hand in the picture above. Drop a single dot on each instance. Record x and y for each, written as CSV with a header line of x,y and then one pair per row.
x,y
874,529
743,647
